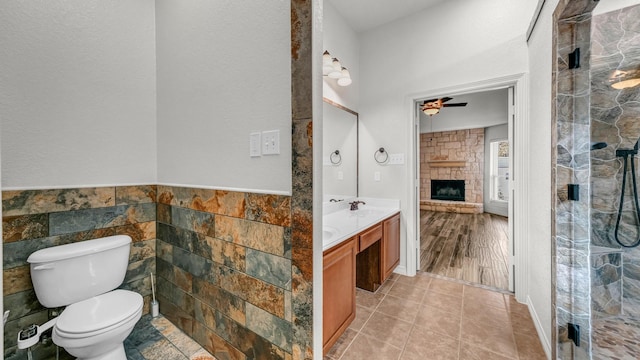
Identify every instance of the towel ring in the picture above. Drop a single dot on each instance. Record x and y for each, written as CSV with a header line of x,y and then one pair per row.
x,y
335,157
378,155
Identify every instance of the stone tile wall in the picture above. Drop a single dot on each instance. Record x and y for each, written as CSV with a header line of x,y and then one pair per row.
x,y
224,270
37,219
461,145
615,119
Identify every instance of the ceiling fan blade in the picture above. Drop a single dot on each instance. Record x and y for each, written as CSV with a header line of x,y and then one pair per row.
x,y
456,104
445,99
428,101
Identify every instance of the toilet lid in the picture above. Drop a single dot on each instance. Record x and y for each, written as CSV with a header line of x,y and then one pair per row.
x,y
99,312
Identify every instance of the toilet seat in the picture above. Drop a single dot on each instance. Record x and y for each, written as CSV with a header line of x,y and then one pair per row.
x,y
98,314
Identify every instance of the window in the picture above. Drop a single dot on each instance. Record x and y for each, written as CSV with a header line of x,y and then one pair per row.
x,y
499,170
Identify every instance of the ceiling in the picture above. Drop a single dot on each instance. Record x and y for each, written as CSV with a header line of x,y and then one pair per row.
x,y
363,15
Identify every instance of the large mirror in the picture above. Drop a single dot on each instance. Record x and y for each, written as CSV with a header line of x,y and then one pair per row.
x,y
340,146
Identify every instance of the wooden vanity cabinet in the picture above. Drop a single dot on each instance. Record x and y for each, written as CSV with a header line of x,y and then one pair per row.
x,y
390,245
339,291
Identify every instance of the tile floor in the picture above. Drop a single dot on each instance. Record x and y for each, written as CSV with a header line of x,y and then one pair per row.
x,y
426,317
157,338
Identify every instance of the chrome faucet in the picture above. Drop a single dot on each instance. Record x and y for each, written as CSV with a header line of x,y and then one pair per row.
x,y
354,204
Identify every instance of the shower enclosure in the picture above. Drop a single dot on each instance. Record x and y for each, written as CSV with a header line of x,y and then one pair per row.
x,y
596,235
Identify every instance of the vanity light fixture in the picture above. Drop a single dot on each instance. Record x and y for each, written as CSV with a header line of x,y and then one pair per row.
x,y
624,79
332,68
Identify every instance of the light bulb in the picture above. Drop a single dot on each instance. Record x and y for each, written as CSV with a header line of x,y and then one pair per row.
x,y
336,72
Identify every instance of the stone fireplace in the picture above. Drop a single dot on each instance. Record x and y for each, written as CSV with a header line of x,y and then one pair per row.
x,y
452,171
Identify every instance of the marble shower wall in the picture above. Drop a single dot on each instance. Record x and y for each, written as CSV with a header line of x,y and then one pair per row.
x,y
224,270
37,219
615,119
570,165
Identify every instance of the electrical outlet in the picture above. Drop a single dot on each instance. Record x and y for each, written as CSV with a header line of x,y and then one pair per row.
x,y
376,176
340,175
396,159
271,142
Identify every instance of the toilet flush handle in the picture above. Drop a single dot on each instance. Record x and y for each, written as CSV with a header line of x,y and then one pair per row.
x,y
43,267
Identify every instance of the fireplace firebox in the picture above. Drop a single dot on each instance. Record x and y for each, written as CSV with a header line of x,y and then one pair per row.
x,y
451,190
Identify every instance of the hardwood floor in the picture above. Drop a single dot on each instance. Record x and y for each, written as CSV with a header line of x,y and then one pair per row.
x,y
469,247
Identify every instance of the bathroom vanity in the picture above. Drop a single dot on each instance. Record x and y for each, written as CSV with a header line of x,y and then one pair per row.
x,y
361,248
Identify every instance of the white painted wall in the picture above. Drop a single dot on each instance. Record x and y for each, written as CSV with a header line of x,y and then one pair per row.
x,y
223,72
77,100
539,195
343,43
484,109
456,42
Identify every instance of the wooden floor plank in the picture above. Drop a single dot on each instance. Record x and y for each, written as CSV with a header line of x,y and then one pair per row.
x,y
470,247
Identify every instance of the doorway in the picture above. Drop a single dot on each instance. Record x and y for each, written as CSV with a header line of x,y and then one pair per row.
x,y
518,121
464,190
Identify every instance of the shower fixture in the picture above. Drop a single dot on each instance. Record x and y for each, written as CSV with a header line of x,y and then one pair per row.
x,y
628,154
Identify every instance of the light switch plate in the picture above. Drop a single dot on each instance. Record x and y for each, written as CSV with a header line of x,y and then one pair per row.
x,y
271,142
396,159
254,144
376,176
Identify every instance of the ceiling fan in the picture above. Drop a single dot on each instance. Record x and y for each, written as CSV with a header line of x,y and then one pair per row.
x,y
433,106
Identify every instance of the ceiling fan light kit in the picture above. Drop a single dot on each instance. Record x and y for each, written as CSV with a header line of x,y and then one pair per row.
x,y
433,106
332,68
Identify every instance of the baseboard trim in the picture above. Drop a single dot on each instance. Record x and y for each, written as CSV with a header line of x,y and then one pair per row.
x,y
546,344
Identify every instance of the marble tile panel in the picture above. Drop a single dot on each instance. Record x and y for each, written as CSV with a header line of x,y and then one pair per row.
x,y
270,209
83,220
264,295
176,314
24,227
163,349
164,251
140,269
142,231
136,194
163,213
251,344
16,280
23,202
16,253
178,237
192,220
216,345
221,300
222,202
224,252
165,269
192,263
21,304
142,250
142,336
251,234
141,285
276,330
270,268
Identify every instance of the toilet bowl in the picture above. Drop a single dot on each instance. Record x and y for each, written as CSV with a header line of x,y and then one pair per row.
x,y
94,329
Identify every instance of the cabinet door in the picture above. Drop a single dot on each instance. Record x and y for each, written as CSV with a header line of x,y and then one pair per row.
x,y
339,291
391,245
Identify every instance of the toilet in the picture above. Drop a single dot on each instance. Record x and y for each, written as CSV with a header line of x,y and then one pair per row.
x,y
82,276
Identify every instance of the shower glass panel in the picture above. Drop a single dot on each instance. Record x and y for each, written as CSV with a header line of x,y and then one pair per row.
x,y
615,218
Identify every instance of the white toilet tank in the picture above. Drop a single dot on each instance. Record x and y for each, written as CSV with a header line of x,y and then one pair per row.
x,y
66,274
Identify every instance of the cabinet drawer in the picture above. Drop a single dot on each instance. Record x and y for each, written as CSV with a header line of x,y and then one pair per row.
x,y
369,237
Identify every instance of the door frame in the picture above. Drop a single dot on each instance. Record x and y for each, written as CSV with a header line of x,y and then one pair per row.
x,y
519,125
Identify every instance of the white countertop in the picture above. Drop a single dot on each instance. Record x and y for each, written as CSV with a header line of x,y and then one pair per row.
x,y
339,223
